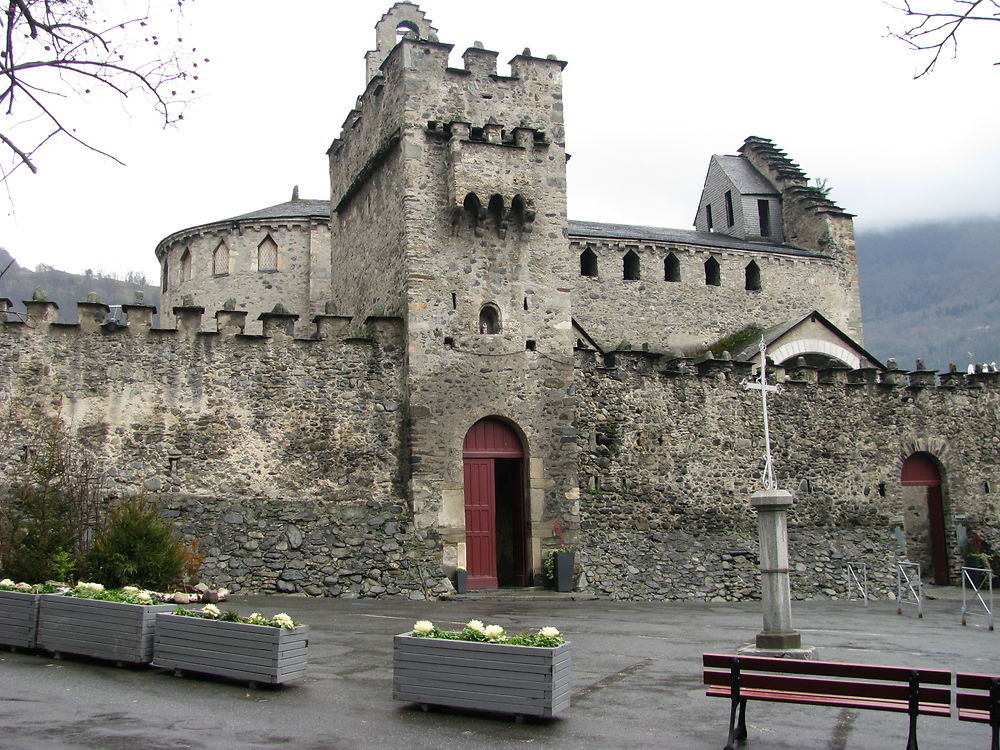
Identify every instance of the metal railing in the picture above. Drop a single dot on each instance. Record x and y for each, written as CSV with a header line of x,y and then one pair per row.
x,y
975,583
857,581
909,587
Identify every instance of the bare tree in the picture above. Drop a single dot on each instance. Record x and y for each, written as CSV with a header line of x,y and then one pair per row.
x,y
58,51
937,31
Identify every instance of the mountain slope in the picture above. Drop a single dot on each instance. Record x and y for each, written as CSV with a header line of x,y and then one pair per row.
x,y
932,291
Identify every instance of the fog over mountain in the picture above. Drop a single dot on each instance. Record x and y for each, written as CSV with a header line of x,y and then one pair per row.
x,y
932,291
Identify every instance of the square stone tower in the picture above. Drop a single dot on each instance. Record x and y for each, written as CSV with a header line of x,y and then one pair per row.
x,y
448,200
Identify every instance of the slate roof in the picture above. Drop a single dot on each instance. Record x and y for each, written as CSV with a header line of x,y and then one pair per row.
x,y
298,207
596,230
744,176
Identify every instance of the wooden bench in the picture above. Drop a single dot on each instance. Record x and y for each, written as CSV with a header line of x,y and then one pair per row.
x,y
977,697
825,683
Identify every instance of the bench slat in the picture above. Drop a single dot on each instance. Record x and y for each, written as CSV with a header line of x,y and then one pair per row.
x,y
974,681
968,714
827,668
815,686
837,701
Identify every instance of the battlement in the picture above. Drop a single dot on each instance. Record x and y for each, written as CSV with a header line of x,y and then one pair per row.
x,y
41,320
627,365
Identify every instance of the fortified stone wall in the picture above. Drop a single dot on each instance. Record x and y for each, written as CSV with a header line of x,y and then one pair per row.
x,y
282,456
670,453
688,314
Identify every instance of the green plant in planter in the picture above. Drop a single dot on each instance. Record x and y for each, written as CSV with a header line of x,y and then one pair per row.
x,y
549,564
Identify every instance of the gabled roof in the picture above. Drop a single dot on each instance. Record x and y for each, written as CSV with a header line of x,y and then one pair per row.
x,y
745,178
596,230
780,336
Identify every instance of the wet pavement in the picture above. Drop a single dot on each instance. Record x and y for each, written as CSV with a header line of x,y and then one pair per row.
x,y
636,682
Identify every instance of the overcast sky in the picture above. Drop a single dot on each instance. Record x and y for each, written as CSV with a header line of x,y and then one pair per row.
x,y
652,90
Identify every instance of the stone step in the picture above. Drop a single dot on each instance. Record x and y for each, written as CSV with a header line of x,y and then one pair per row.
x,y
521,594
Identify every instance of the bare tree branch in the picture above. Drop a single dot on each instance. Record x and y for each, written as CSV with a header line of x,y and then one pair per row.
x,y
59,50
936,31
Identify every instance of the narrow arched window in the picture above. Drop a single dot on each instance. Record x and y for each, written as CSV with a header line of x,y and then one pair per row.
x,y
588,263
671,268
186,266
473,209
752,277
630,266
267,255
489,319
220,259
164,276
495,211
713,274
404,28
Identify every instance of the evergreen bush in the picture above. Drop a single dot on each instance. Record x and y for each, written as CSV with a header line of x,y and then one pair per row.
x,y
136,547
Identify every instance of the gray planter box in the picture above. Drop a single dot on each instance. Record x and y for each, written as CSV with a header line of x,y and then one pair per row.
x,y
18,619
520,680
255,653
104,630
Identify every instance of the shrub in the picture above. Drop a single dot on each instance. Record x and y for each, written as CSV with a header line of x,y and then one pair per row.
x,y
138,547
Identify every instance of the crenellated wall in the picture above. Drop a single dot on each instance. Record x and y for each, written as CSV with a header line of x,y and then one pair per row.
x,y
671,450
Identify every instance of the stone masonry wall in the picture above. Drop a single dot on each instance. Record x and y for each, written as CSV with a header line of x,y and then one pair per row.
x,y
280,455
687,315
669,458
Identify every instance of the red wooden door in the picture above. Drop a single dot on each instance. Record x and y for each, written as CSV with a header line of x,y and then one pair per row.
x,y
920,470
495,527
480,523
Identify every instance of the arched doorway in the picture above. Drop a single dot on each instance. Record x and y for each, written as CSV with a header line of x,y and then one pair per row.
x,y
495,518
924,514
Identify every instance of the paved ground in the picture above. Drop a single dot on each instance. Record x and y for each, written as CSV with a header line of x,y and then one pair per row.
x,y
636,669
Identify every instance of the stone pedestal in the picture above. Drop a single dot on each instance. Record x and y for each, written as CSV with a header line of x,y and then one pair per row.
x,y
778,637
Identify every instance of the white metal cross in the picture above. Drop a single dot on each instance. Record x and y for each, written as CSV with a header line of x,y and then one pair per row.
x,y
768,478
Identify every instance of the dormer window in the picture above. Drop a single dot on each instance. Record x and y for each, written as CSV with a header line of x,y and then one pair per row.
x,y
764,216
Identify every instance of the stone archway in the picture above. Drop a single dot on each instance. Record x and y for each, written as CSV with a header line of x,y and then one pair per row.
x,y
924,516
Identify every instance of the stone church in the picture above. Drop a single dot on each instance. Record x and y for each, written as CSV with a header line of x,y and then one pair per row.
x,y
437,369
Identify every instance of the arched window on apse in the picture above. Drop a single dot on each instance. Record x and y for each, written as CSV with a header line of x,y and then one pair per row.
x,y
220,260
186,265
713,274
489,319
671,268
630,266
164,276
267,255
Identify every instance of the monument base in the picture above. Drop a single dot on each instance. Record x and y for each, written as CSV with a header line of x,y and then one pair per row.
x,y
786,641
752,649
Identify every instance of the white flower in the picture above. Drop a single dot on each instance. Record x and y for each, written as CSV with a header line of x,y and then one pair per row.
x,y
144,597
475,625
6,582
423,627
23,586
282,621
211,610
493,632
256,618
548,632
130,589
94,587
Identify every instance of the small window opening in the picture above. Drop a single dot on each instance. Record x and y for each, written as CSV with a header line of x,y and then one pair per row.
x,y
454,301
476,134
525,303
472,210
764,215
267,255
630,270
165,276
730,215
708,216
986,487
495,211
489,319
172,462
220,260
529,345
405,28
752,277
449,341
713,275
588,263
186,266
881,489
671,268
